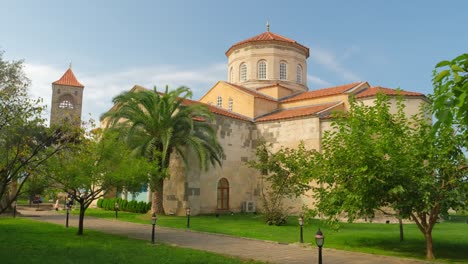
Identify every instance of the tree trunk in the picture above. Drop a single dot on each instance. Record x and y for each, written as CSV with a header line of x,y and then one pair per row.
x,y
429,252
157,198
401,228
81,219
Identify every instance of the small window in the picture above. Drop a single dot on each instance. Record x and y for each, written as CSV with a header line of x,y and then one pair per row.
x,y
283,70
65,104
231,75
76,93
299,74
262,70
243,72
230,104
58,91
220,101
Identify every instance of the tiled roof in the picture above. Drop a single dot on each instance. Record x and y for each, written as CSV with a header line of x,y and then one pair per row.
x,y
375,90
274,85
268,36
216,110
251,92
295,112
69,79
322,92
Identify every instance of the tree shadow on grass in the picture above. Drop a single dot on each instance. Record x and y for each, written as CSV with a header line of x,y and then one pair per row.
x,y
416,248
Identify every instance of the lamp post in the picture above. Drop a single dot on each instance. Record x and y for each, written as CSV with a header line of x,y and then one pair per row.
x,y
14,208
319,240
116,208
68,214
153,222
187,211
301,224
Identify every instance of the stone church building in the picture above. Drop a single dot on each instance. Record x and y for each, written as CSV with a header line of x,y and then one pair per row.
x,y
266,98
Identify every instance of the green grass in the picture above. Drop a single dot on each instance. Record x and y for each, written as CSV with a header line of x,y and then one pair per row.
x,y
27,241
450,238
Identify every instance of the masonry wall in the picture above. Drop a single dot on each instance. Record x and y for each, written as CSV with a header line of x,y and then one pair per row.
x,y
198,188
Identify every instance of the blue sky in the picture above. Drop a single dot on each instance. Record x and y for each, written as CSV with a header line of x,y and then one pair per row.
x,y
114,45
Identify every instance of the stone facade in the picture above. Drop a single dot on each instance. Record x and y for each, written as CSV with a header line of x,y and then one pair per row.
x,y
67,98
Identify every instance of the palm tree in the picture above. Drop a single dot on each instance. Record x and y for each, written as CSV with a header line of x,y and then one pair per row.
x,y
157,125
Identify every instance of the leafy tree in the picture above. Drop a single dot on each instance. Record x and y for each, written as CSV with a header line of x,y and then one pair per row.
x,y
374,159
282,172
450,98
158,124
25,142
95,164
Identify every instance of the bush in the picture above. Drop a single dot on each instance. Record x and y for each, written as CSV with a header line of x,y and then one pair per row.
x,y
124,205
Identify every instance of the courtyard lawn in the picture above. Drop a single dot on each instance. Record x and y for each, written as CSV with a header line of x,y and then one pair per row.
x,y
450,238
27,241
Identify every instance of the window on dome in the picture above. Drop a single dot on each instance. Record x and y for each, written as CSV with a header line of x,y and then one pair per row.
x,y
231,103
299,74
231,75
65,104
220,101
243,72
262,70
283,71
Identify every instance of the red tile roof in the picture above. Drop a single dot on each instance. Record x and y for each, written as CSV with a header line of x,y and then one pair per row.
x,y
322,92
375,90
69,79
274,85
251,92
268,36
295,112
216,110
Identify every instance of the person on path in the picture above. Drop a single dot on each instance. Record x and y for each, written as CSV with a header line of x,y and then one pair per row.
x,y
56,206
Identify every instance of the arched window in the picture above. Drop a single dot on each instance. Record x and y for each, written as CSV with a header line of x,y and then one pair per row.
x,y
299,74
231,75
231,102
243,72
223,194
219,103
283,70
262,70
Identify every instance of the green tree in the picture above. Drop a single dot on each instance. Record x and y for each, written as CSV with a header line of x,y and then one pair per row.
x,y
282,172
94,165
25,142
374,159
450,98
158,124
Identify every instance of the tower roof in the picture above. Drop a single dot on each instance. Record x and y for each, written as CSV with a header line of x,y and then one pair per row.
x,y
69,79
266,37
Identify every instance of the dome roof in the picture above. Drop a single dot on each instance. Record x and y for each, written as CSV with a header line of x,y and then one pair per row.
x,y
267,37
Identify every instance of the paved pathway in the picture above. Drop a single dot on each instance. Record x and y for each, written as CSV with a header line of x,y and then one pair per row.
x,y
270,252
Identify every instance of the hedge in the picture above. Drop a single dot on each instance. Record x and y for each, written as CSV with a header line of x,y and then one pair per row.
x,y
124,205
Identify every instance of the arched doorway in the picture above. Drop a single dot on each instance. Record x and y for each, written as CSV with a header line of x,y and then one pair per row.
x,y
223,194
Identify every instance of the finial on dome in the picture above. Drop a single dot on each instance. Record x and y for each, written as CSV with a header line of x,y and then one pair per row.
x,y
268,25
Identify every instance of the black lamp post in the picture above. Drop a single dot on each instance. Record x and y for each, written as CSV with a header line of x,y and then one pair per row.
x,y
14,208
187,211
68,214
116,208
301,224
153,222
319,240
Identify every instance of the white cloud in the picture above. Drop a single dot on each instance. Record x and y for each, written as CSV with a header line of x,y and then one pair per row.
x,y
102,87
317,80
328,60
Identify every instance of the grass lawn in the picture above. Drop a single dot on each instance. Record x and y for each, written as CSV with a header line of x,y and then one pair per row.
x,y
450,239
27,241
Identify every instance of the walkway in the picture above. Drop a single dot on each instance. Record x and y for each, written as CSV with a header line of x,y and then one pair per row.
x,y
270,252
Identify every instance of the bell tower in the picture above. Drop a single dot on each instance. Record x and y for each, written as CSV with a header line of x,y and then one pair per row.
x,y
67,98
